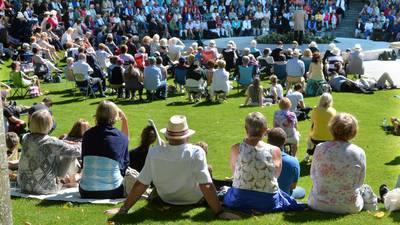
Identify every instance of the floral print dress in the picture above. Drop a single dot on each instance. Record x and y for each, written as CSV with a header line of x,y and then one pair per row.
x,y
337,172
287,120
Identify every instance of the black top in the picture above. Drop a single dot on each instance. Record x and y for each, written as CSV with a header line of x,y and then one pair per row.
x,y
137,158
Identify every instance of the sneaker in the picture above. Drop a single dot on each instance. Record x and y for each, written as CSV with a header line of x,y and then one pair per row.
x,y
103,96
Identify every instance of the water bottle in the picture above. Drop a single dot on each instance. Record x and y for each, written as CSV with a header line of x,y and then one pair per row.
x,y
384,124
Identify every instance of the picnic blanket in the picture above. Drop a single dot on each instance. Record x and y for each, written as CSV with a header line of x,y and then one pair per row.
x,y
66,195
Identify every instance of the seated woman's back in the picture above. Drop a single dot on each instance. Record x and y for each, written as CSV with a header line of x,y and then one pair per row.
x,y
338,171
255,169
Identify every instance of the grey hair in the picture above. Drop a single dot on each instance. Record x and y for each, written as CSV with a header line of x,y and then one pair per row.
x,y
255,123
325,100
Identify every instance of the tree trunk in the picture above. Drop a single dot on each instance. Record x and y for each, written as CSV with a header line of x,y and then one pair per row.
x,y
5,201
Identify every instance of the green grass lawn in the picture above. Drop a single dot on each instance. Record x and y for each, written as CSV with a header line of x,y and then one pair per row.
x,y
220,125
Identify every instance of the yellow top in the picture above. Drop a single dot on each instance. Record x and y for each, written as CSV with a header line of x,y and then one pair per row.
x,y
320,118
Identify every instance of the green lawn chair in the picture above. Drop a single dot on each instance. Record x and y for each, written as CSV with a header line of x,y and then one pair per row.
x,y
21,89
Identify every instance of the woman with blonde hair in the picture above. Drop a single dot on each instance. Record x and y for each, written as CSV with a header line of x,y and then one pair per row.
x,y
338,170
40,165
287,120
306,58
320,117
105,154
220,80
155,44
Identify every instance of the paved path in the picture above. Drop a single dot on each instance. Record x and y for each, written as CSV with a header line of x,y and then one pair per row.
x,y
343,43
376,68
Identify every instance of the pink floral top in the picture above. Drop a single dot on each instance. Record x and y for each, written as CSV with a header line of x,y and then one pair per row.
x,y
338,172
287,120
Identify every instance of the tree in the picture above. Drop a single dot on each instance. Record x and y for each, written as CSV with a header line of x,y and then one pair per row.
x,y
5,201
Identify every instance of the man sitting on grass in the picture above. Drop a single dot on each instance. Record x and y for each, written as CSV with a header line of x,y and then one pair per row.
x,y
178,171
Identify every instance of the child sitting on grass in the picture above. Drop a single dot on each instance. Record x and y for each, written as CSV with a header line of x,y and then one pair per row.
x,y
12,143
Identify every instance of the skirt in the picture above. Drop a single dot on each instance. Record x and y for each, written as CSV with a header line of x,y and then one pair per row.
x,y
254,201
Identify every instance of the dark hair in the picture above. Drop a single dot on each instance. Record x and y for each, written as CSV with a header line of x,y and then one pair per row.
x,y
298,86
279,43
12,140
78,129
316,58
266,51
148,136
14,65
337,66
35,50
159,60
277,137
210,64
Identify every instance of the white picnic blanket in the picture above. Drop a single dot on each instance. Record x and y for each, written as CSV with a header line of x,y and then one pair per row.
x,y
66,195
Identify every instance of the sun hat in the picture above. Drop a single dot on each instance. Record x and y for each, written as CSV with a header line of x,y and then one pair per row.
x,y
177,128
296,53
211,43
312,44
332,46
357,47
335,51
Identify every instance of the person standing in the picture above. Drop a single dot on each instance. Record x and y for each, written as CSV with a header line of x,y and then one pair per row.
x,y
299,17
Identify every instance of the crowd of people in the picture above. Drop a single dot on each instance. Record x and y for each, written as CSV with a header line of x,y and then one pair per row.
x,y
184,19
97,160
378,20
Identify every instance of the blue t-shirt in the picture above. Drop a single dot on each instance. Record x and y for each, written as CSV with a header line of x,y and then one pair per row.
x,y
290,173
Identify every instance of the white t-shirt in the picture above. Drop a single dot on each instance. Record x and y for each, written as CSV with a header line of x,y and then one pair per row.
x,y
295,98
279,90
176,172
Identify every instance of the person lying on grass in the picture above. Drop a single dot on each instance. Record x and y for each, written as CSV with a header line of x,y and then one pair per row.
x,y
178,171
256,167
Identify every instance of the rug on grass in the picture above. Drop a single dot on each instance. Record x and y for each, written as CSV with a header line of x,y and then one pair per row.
x,y
66,195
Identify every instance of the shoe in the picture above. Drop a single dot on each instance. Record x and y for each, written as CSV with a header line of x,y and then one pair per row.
x,y
103,96
383,190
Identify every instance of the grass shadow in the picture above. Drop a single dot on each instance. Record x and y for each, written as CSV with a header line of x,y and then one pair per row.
x,y
304,169
207,103
180,103
309,215
156,213
45,203
64,92
130,102
395,216
394,162
68,101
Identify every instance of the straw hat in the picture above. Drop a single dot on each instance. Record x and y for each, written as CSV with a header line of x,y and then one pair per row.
x,y
335,51
177,128
357,47
313,44
296,53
